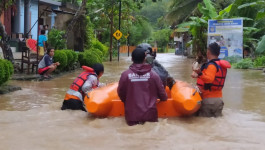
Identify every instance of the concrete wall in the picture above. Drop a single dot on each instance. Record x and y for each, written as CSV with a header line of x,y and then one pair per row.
x,y
34,18
19,18
62,24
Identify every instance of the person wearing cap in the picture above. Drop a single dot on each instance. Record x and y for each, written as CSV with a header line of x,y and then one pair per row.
x,y
139,88
210,80
156,66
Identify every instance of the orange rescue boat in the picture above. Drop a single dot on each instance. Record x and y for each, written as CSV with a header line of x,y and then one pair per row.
x,y
183,100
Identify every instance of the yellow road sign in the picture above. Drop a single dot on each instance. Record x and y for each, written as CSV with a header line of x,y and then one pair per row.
x,y
117,34
126,36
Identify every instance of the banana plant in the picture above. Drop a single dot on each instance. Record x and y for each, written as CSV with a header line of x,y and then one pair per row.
x,y
253,13
198,26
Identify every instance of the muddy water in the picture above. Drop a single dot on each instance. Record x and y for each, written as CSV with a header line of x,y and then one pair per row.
x,y
32,119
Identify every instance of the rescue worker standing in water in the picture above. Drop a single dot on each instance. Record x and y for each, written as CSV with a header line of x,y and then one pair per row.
x,y
210,80
139,88
85,82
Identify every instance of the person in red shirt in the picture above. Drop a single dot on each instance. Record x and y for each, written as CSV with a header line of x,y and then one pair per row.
x,y
139,88
210,80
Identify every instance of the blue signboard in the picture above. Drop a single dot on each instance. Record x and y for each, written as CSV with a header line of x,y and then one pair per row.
x,y
228,33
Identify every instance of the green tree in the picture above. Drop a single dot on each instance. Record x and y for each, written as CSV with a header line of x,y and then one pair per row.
x,y
161,37
140,31
198,25
7,52
180,10
254,22
56,40
154,11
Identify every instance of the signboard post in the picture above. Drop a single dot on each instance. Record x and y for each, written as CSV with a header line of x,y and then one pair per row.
x,y
118,36
228,33
127,42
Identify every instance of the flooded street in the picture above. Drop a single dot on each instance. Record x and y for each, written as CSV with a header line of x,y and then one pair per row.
x,y
31,119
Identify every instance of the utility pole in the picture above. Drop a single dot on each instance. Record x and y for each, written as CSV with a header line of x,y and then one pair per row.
x,y
128,44
119,29
26,17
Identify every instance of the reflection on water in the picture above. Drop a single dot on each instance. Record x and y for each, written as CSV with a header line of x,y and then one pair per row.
x,y
32,119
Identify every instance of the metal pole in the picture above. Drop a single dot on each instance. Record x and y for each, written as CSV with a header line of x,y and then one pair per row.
x,y
128,45
38,36
182,45
26,17
119,29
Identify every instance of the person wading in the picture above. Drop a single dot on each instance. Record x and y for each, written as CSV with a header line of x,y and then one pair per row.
x,y
139,88
210,80
85,82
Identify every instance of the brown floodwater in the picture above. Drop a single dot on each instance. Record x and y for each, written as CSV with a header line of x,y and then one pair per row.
x,y
31,119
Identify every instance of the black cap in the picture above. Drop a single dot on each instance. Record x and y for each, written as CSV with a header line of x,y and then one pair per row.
x,y
147,47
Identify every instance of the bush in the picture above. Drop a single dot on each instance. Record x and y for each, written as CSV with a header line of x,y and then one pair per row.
x,y
161,50
56,40
70,57
98,53
6,70
2,72
259,62
233,59
11,67
61,57
98,45
244,64
81,58
75,56
88,58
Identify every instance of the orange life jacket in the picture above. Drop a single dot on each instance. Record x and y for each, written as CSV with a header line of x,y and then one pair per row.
x,y
219,80
81,79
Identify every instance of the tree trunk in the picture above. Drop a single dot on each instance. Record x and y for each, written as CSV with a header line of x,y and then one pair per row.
x,y
79,12
7,52
111,32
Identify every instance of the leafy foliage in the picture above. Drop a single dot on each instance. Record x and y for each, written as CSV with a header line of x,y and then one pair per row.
x,y
153,12
140,31
162,38
60,56
198,27
56,40
70,57
6,70
88,58
244,64
4,4
180,10
89,36
233,59
261,46
254,23
259,62
98,45
98,53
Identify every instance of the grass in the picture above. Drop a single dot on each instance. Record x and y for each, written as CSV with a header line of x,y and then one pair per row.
x,y
171,50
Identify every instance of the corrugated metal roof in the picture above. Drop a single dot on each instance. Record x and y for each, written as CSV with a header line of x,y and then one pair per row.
x,y
52,2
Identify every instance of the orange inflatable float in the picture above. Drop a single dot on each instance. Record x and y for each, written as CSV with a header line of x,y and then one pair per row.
x,y
183,100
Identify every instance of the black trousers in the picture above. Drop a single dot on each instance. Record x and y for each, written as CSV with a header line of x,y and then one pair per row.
x,y
73,104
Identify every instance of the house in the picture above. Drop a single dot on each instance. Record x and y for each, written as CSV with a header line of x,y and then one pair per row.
x,y
26,20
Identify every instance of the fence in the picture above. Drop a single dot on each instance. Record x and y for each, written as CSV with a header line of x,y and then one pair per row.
x,y
124,49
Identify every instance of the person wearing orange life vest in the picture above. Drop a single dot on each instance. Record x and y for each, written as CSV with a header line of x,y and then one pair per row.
x,y
210,80
85,82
